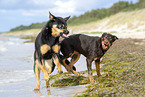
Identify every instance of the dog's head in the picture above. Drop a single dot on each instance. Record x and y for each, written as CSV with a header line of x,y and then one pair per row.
x,y
59,26
107,40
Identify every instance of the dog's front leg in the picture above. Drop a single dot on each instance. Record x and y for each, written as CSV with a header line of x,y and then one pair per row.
x,y
97,63
37,74
89,66
56,62
45,74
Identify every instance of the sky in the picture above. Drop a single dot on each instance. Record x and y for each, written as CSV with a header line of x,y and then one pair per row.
x,y
14,13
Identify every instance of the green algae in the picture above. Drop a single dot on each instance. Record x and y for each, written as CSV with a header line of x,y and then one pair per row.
x,y
123,72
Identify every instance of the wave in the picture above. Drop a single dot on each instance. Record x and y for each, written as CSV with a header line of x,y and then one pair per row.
x,y
3,49
12,76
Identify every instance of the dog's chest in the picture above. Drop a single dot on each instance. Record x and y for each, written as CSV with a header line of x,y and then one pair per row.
x,y
98,53
45,48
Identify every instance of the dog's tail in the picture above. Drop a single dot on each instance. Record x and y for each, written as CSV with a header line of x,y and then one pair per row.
x,y
66,61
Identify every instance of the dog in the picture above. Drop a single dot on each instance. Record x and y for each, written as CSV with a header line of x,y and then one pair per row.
x,y
47,48
93,48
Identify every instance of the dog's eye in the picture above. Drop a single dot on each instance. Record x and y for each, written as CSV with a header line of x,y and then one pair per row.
x,y
59,26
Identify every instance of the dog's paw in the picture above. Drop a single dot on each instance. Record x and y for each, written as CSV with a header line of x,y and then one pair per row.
x,y
93,81
60,72
36,89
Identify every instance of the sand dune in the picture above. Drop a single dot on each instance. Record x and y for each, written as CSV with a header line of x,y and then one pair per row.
x,y
126,24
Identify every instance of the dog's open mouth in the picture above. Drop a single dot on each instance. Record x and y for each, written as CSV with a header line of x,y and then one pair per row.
x,y
105,46
64,35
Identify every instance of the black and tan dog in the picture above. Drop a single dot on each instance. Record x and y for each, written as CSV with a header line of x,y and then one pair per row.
x,y
47,48
93,48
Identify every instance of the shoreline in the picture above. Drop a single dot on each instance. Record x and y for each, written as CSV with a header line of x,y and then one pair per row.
x,y
25,89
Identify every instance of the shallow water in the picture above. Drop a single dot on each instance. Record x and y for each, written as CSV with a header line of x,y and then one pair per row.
x,y
16,71
15,60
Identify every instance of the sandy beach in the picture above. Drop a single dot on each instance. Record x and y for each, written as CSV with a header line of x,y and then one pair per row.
x,y
17,70
16,55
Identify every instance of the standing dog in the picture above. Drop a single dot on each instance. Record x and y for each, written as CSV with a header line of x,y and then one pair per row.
x,y
47,48
93,48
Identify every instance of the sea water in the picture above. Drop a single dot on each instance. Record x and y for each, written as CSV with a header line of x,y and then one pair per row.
x,y
15,59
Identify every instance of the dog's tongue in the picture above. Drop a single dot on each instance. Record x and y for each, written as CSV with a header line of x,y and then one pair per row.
x,y
65,36
105,46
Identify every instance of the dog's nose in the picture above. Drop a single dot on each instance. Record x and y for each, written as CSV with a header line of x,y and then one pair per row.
x,y
106,41
66,32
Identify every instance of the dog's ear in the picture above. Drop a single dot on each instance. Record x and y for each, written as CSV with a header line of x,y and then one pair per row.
x,y
51,17
103,35
115,37
67,18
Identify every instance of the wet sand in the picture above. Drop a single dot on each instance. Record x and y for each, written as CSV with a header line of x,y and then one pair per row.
x,y
25,89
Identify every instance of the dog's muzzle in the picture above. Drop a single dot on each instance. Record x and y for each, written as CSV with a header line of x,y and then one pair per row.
x,y
64,34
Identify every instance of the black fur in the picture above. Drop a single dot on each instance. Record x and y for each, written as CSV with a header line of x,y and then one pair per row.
x,y
47,47
93,48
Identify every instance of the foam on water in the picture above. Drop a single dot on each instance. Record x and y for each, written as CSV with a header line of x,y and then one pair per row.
x,y
11,76
3,49
16,63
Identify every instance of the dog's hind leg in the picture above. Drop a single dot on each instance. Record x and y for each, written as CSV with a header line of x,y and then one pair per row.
x,y
97,63
37,74
67,62
56,62
66,65
74,59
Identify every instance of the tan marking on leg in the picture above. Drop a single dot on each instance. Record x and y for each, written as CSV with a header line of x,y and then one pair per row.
x,y
97,63
39,93
66,66
45,74
44,49
91,78
56,62
74,59
55,48
47,84
96,58
37,74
